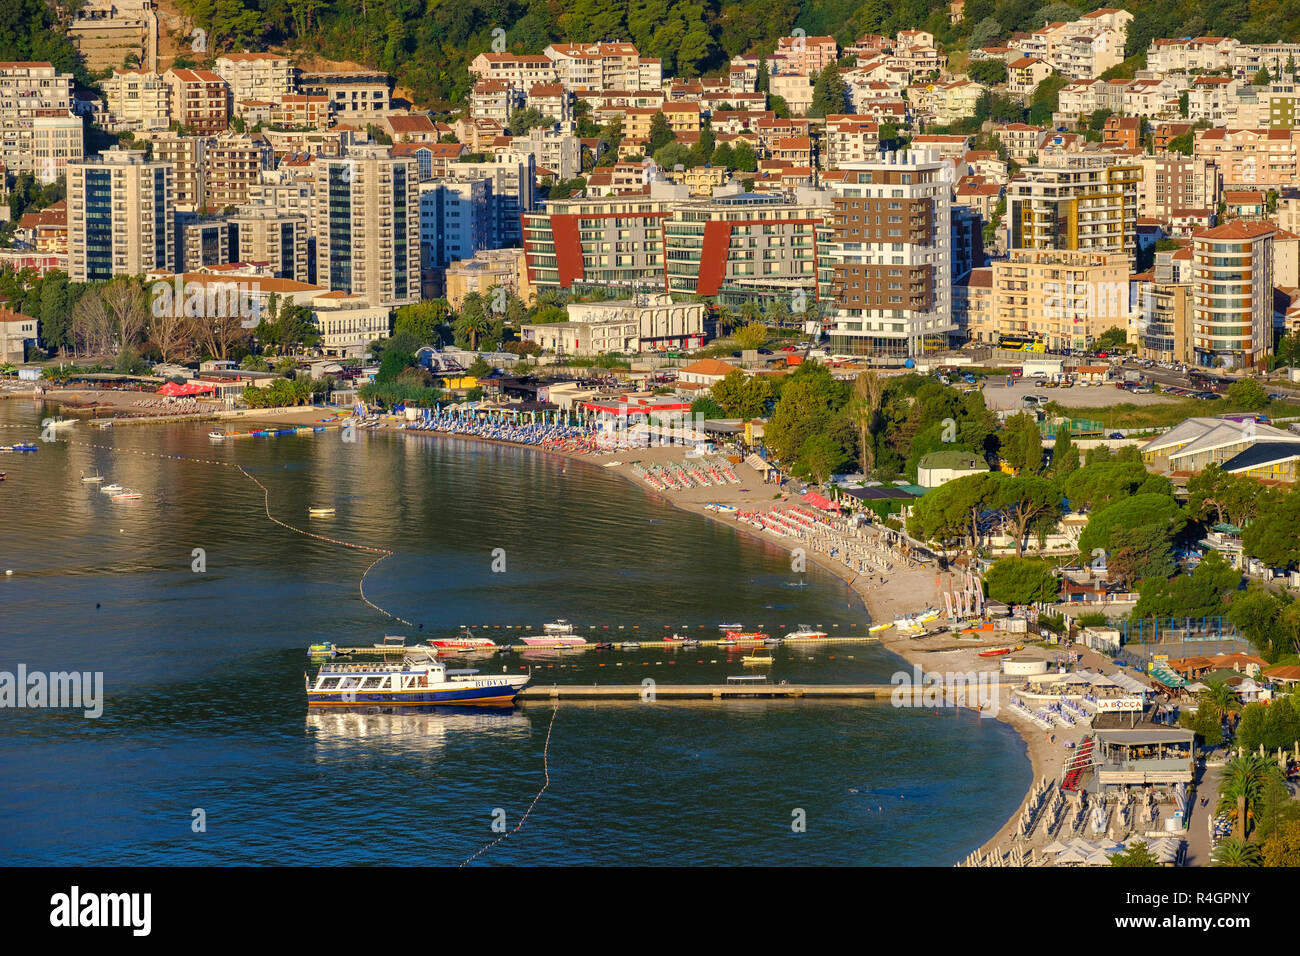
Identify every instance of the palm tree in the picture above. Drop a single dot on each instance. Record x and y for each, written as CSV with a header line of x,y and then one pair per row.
x,y
1242,786
1220,698
750,311
1235,852
867,390
726,320
473,323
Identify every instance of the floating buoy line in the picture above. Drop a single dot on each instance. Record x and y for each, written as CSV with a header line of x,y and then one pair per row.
x,y
546,783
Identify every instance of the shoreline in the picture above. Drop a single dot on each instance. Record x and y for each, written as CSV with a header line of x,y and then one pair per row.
x,y
900,592
928,652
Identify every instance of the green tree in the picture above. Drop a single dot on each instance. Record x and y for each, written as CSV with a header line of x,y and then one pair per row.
x,y
661,133
1065,456
820,456
990,72
1021,581
707,407
1022,444
830,93
1195,595
810,401
473,322
1248,394
1274,535
1138,854
1283,848
752,336
1234,852
952,511
1024,500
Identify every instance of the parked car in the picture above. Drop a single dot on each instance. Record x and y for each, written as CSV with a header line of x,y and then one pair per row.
x,y
1114,435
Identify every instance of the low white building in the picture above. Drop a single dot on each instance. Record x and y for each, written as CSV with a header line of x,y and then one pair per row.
x,y
348,323
647,323
17,332
940,467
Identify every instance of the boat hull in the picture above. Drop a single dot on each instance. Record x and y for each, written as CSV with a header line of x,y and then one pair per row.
x,y
489,695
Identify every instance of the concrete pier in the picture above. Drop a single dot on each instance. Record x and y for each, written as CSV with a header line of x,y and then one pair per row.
x,y
660,691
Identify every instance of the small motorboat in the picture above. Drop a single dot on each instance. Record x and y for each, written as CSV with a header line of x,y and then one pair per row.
x,y
995,652
605,646
631,645
756,659
320,512
3,475
730,627
464,641
6,448
126,494
392,642
26,446
91,479
217,436
110,489
319,651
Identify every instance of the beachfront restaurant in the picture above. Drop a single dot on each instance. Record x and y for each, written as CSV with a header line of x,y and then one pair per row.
x,y
1145,756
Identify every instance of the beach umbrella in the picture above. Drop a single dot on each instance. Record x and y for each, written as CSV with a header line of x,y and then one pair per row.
x,y
1055,847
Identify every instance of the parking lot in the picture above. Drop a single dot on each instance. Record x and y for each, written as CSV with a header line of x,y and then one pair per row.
x,y
998,396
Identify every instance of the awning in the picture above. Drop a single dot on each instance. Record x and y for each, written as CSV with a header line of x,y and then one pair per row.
x,y
818,501
189,388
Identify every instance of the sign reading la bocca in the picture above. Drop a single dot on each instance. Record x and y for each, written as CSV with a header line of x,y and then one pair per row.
x,y
1113,705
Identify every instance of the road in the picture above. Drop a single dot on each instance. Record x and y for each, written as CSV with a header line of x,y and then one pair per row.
x,y
1198,828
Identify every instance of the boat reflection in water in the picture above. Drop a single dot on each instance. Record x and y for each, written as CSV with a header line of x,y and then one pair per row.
x,y
413,729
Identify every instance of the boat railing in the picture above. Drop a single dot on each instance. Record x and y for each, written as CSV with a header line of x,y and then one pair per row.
x,y
366,668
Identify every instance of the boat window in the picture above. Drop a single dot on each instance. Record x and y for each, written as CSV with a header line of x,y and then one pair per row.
x,y
372,683
329,683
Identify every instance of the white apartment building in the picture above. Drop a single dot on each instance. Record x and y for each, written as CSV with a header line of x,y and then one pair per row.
x,y
120,216
137,100
28,90
255,76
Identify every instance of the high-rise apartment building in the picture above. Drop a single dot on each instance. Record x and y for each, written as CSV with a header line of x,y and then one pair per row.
x,y
1086,204
120,216
1232,281
888,274
232,166
367,225
185,154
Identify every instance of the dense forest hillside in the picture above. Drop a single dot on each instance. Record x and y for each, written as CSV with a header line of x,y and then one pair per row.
x,y
427,44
